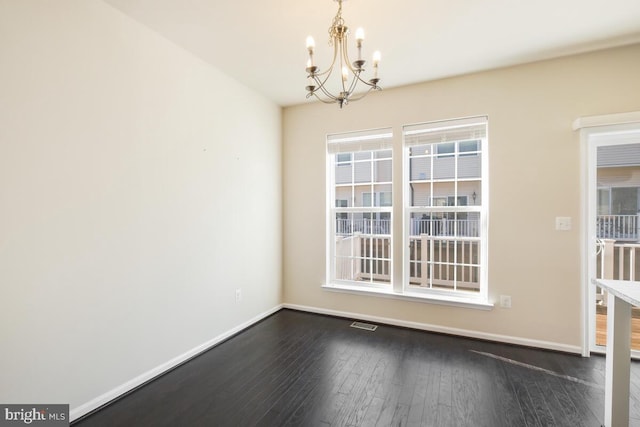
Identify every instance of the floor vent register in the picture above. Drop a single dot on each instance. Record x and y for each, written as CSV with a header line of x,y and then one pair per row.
x,y
365,326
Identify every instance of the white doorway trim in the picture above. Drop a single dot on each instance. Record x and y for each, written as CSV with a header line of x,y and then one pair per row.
x,y
595,131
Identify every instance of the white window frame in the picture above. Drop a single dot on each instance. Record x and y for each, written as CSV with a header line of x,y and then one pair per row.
x,y
455,131
398,288
338,144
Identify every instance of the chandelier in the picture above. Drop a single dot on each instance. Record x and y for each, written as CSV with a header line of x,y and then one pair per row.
x,y
350,71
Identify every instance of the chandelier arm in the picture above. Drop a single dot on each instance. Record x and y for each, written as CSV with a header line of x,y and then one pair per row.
x,y
354,82
327,93
327,73
345,55
345,58
321,85
325,101
371,85
330,69
323,89
358,98
338,54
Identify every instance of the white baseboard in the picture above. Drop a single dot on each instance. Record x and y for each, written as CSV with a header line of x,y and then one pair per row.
x,y
105,398
548,345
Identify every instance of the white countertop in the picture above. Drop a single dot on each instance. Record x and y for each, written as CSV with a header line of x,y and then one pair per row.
x,y
623,289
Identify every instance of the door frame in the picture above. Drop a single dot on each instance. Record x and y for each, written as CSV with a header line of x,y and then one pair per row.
x,y
596,131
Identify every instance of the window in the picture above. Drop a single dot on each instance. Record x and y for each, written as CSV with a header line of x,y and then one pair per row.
x,y
444,207
360,166
445,234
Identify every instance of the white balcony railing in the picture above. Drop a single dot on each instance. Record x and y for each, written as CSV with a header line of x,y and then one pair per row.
x,y
347,227
363,257
431,227
445,227
444,253
618,261
618,227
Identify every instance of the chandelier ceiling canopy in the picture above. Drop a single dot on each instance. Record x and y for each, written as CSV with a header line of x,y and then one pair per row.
x,y
350,72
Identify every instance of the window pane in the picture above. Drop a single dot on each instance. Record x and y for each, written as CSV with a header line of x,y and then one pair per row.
x,y
470,166
385,198
468,224
382,171
362,247
361,242
445,149
603,201
344,193
383,195
444,168
343,173
420,194
468,148
362,171
624,201
446,264
420,168
343,157
442,191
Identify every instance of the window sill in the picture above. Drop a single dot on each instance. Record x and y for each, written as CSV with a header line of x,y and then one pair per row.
x,y
411,296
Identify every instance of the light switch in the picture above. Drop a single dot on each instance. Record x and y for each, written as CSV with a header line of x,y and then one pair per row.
x,y
563,223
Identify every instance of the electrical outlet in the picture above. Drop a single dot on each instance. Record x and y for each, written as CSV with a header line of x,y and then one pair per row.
x,y
505,301
238,295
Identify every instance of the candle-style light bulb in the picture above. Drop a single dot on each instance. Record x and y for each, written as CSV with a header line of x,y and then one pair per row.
x,y
376,58
345,74
376,61
310,45
359,39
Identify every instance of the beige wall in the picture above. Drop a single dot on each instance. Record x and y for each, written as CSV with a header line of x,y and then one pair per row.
x,y
535,162
124,229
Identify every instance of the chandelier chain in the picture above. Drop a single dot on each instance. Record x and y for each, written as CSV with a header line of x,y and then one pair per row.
x,y
335,31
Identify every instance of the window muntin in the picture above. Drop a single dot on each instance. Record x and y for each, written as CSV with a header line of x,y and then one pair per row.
x,y
444,208
360,175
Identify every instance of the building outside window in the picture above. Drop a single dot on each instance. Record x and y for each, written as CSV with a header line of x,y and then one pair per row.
x,y
618,180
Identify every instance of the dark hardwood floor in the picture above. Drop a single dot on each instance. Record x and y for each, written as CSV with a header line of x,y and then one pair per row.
x,y
302,369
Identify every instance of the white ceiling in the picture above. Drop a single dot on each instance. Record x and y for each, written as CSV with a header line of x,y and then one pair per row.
x,y
261,43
